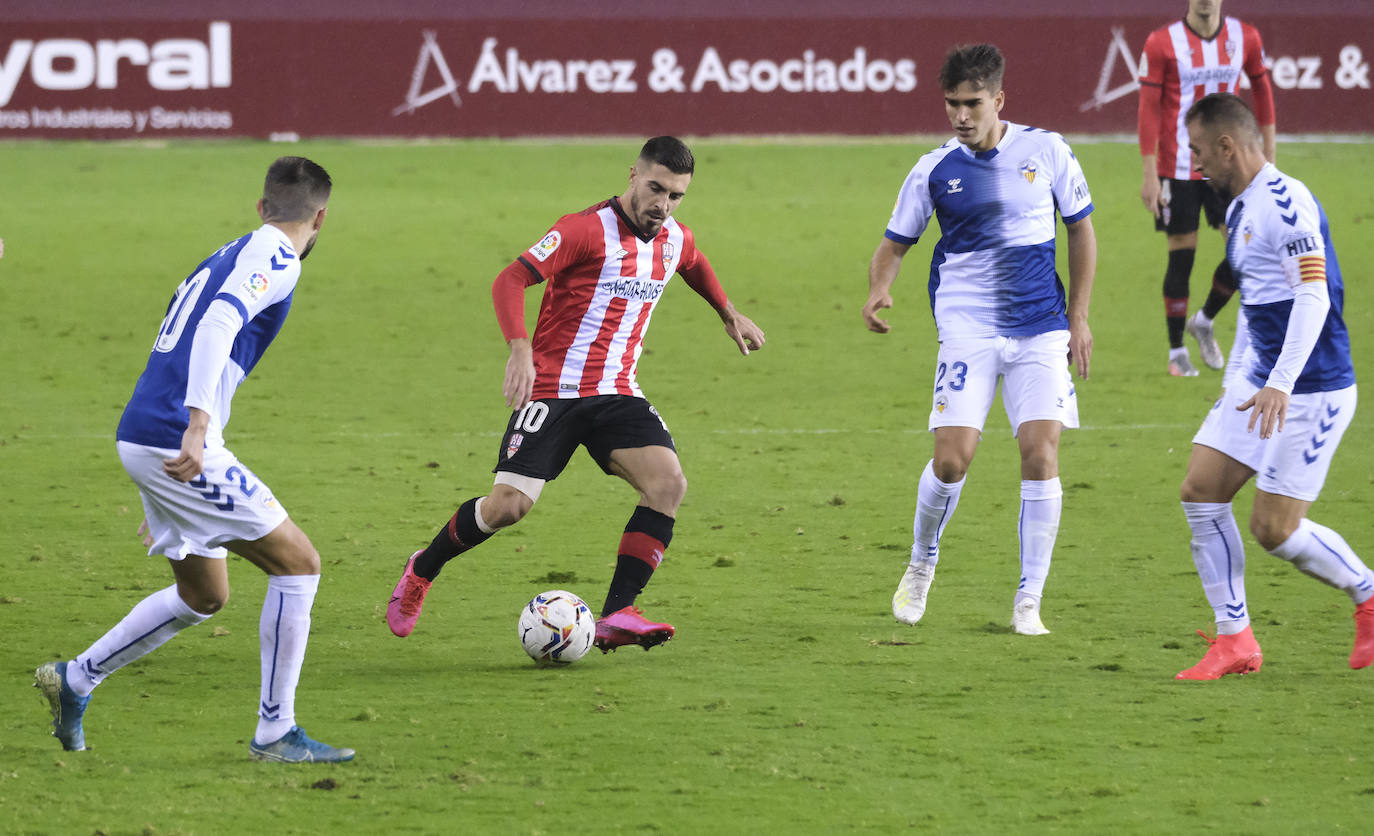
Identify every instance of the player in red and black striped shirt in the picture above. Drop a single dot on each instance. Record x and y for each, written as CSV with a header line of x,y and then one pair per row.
x,y
604,271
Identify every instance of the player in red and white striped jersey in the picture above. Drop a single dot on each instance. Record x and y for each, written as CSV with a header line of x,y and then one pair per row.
x,y
1182,62
605,269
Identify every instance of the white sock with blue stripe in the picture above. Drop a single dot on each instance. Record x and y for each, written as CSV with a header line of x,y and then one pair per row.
x,y
1322,553
935,504
1219,555
1037,527
283,629
147,627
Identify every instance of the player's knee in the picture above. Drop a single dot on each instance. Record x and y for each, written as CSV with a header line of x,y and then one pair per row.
x,y
1191,491
672,489
204,601
300,559
1270,532
505,506
949,469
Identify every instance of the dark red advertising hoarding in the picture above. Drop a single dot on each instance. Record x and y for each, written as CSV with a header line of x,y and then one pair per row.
x,y
441,75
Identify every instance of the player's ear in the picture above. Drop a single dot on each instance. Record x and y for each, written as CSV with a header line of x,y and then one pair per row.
x,y
319,218
1226,145
999,100
262,209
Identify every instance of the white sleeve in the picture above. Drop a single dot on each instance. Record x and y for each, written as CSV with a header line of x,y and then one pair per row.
x,y
911,213
1070,186
210,348
1311,302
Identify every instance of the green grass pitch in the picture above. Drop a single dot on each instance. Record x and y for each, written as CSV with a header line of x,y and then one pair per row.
x,y
790,701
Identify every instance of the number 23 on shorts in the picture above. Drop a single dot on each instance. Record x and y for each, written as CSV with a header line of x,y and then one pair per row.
x,y
957,372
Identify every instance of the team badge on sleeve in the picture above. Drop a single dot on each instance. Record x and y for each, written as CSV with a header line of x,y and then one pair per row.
x,y
255,286
546,246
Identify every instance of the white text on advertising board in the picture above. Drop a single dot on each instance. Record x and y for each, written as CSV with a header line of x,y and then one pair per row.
x,y
508,72
62,64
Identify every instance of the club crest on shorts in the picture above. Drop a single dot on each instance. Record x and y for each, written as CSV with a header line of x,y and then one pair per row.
x,y
516,439
941,403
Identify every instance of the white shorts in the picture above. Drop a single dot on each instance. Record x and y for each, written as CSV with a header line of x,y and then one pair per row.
x,y
1294,461
1036,385
226,502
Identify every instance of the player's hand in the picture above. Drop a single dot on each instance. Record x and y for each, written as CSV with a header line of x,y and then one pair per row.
x,y
877,302
187,465
144,534
1270,408
1152,195
1080,347
519,382
741,329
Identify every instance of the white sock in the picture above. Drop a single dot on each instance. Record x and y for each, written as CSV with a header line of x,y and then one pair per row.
x,y
283,630
1038,526
1219,556
148,625
935,504
1322,553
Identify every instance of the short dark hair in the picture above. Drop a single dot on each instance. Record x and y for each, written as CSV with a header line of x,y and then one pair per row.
x,y
1227,113
295,189
981,65
669,152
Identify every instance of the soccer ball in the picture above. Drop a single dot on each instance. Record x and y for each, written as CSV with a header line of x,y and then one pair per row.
x,y
556,628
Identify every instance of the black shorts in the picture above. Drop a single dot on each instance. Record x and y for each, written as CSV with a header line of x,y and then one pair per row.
x,y
540,439
1182,201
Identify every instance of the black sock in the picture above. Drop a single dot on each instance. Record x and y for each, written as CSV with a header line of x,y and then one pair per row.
x,y
460,534
1176,294
1223,287
646,538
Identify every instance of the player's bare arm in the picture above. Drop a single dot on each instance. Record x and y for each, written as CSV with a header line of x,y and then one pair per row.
x,y
1269,141
1151,194
187,465
519,382
882,272
1082,271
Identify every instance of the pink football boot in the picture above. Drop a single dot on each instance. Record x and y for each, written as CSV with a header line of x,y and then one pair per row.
x,y
406,600
629,626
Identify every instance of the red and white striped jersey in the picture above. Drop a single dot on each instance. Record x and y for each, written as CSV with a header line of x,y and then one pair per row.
x,y
603,281
1179,67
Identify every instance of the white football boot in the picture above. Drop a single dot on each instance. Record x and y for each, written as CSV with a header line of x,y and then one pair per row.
x,y
1200,329
1025,618
909,601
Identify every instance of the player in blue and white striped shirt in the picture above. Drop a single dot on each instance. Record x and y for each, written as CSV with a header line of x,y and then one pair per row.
x,y
199,501
1282,417
1000,310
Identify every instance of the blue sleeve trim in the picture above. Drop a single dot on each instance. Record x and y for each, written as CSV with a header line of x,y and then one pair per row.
x,y
236,302
900,239
1087,210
